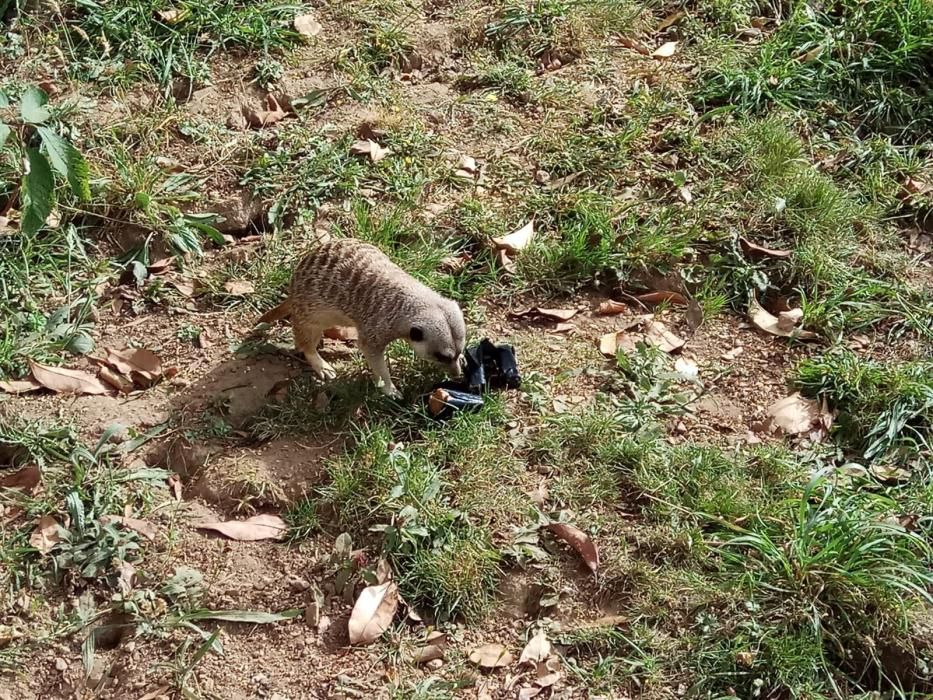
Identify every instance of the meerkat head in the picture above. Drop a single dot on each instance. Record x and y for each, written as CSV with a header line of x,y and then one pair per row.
x,y
439,335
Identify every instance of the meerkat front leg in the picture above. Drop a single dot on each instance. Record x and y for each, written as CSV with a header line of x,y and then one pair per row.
x,y
376,359
307,339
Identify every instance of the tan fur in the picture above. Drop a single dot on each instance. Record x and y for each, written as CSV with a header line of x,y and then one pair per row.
x,y
350,283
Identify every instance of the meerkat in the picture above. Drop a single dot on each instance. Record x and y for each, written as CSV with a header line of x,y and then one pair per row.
x,y
346,282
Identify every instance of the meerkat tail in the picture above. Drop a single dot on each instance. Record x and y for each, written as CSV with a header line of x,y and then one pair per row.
x,y
280,312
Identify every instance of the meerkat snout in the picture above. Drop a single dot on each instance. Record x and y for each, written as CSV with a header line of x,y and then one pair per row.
x,y
440,338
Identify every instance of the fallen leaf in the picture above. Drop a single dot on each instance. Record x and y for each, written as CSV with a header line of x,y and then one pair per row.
x,y
634,45
239,287
657,334
611,307
660,297
811,55
371,149
528,692
46,535
67,381
172,16
685,194
143,527
563,327
686,369
466,167
671,20
342,333
611,343
753,250
265,117
517,240
559,314
26,479
126,577
19,386
259,527
373,612
429,652
774,325
537,649
579,540
795,414
888,472
665,50
491,656
306,25
142,367
174,483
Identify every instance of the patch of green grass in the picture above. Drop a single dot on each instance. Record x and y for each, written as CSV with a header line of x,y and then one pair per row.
x,y
867,63
158,41
885,408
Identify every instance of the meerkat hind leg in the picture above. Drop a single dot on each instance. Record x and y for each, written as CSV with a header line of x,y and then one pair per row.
x,y
376,359
307,339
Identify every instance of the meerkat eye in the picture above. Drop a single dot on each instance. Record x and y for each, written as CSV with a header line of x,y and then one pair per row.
x,y
416,334
441,357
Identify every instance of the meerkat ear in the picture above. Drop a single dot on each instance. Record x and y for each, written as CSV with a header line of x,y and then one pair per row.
x,y
416,334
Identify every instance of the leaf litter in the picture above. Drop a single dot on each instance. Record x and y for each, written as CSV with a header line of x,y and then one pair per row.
x,y
67,381
373,612
254,529
579,540
491,656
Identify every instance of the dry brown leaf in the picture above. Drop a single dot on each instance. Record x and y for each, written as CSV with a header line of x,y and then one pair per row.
x,y
611,307
914,186
67,381
795,414
239,287
517,240
665,50
143,527
611,343
46,535
26,479
174,483
266,117
491,656
259,527
19,386
579,540
634,45
753,250
657,334
559,314
811,55
373,612
126,577
537,649
342,333
527,693
369,148
141,366
660,297
117,381
306,25
774,325
171,16
671,20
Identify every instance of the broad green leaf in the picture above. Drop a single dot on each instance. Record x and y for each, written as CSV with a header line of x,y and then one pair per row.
x,y
37,193
68,161
4,134
32,106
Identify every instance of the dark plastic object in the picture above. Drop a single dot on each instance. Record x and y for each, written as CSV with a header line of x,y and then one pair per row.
x,y
487,366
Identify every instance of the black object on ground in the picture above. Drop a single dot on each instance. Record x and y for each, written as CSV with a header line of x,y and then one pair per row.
x,y
487,366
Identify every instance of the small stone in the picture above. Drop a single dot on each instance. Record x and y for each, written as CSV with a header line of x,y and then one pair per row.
x,y
60,664
542,177
435,664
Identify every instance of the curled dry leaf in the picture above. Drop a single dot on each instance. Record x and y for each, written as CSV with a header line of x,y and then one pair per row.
x,y
266,117
634,45
794,415
140,366
517,240
239,287
753,250
491,656
784,325
528,692
657,334
558,314
67,381
46,535
306,25
665,50
174,483
143,527
259,527
369,148
671,20
26,479
537,649
662,296
19,386
373,612
611,307
579,540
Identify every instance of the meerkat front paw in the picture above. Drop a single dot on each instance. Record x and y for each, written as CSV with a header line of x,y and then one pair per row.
x,y
390,391
321,367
